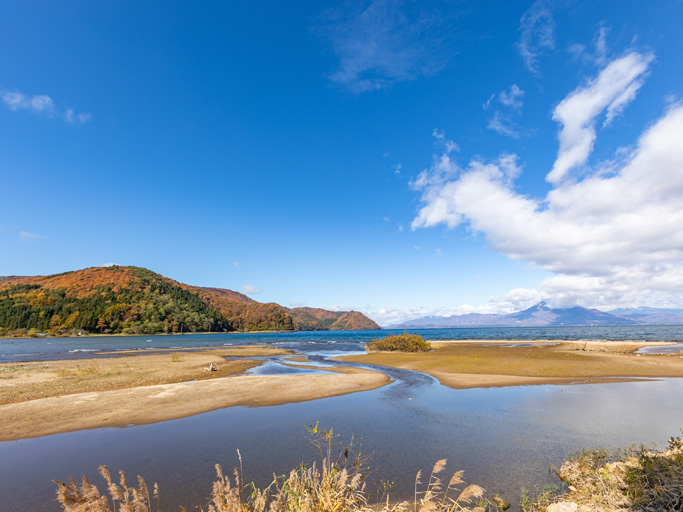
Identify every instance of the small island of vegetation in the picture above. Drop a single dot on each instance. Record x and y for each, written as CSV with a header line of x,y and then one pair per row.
x,y
404,342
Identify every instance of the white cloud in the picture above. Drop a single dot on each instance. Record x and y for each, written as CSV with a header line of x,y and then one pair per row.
x,y
42,104
610,238
502,124
511,104
615,87
30,237
18,101
447,145
236,264
599,53
537,28
297,305
512,99
250,290
381,43
110,264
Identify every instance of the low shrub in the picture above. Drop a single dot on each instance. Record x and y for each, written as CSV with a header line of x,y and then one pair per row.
x,y
404,342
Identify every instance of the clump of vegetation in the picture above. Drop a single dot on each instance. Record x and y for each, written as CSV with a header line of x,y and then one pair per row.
x,y
404,342
336,486
635,479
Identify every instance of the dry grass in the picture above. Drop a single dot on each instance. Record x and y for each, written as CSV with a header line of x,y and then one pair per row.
x,y
336,486
565,360
637,479
20,382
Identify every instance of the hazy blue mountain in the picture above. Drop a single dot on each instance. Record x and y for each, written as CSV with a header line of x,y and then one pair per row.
x,y
653,316
539,314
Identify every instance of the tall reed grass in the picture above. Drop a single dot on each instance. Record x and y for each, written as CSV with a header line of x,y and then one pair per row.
x,y
335,485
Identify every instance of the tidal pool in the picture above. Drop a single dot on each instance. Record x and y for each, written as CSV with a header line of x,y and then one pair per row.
x,y
504,438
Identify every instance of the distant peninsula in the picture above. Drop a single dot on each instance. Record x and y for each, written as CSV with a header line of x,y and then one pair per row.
x,y
134,300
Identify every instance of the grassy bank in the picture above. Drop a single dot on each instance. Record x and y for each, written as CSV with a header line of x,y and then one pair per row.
x,y
635,479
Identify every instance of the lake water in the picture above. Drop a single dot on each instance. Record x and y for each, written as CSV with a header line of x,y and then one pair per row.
x,y
504,439
33,349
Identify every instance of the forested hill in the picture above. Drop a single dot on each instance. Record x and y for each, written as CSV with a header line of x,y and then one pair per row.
x,y
135,300
313,319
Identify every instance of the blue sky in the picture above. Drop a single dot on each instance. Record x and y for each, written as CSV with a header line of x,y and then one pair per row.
x,y
398,158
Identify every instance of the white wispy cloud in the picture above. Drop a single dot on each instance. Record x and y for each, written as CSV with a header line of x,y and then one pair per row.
x,y
30,237
447,145
615,87
42,104
379,43
537,28
250,290
610,238
598,55
512,98
510,104
504,125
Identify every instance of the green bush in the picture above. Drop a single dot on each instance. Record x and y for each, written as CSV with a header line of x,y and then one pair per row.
x,y
399,343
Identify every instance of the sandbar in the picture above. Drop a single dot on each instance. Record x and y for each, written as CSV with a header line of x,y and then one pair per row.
x,y
150,404
493,363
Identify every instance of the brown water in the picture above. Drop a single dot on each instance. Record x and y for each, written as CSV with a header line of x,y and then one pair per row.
x,y
504,439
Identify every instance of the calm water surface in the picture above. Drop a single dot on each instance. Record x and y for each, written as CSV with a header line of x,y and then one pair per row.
x,y
504,439
33,349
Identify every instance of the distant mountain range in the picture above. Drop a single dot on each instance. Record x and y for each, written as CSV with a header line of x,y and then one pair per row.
x,y
541,314
134,300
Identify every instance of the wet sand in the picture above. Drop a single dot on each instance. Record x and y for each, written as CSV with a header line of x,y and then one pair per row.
x,y
24,381
150,404
491,363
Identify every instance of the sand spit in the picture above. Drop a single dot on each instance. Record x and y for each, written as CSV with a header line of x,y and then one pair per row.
x,y
150,404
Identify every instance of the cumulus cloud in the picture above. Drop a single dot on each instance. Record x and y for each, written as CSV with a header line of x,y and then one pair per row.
x,y
250,290
609,93
610,238
537,28
383,42
42,104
